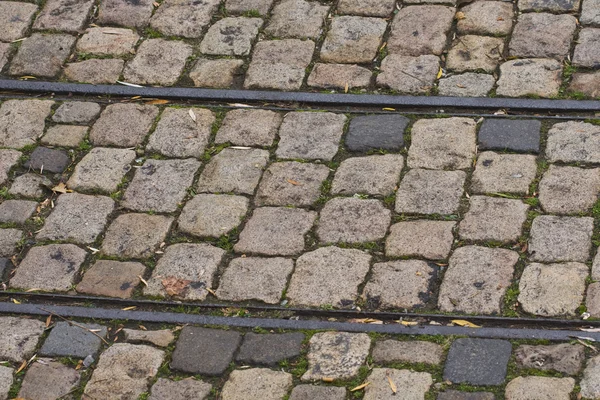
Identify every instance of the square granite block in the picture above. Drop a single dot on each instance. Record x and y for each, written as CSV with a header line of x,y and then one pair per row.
x,y
64,15
48,379
486,18
268,349
22,122
186,18
204,351
554,239
503,173
369,8
111,278
42,55
102,169
66,340
125,13
414,384
533,76
249,127
231,36
374,175
257,383
9,240
477,361
15,18
542,35
212,215
297,18
19,338
16,211
64,135
30,185
50,160
425,191
76,112
242,6
219,73
108,41
123,125
512,135
408,74
353,39
586,52
573,142
569,190
372,132
135,235
148,69
421,238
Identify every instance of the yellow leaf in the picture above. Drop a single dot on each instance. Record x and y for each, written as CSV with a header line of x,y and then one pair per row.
x,y
27,77
440,73
460,15
293,182
22,367
327,379
409,323
136,97
16,301
157,102
209,290
48,320
364,385
79,365
129,308
388,109
392,384
61,188
346,88
462,322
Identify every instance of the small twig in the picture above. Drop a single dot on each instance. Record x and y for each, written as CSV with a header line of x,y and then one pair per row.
x,y
75,324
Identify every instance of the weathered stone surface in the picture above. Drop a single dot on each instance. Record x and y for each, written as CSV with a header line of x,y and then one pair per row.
x,y
420,30
21,123
42,55
423,238
135,235
375,175
63,15
539,387
549,5
590,384
161,338
160,185
586,51
369,132
125,13
586,83
45,159
423,191
16,211
108,41
291,183
476,280
233,170
554,239
503,173
216,74
369,8
51,267
231,36
468,84
477,361
297,18
408,74
486,18
212,215
492,218
573,142
590,12
568,190
158,62
353,39
310,135
338,76
328,276
8,159
447,143
592,298
254,278
185,389
29,185
6,381
9,239
64,135
416,352
353,220
564,357
536,76
185,18
257,383
279,64
275,231
191,263
542,35
101,169
5,51
66,340
269,349
411,384
473,53
76,112
204,351
77,217
249,127
19,338
48,381
242,6
95,71
15,18
310,392
123,125
401,284
552,289
506,134
124,370
111,278
337,355
456,395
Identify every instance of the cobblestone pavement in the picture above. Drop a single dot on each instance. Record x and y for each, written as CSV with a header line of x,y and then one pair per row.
x,y
543,48
462,215
52,359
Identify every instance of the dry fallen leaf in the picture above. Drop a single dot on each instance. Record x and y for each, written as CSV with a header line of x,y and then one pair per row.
x,y
174,286
327,379
192,115
15,301
388,109
32,290
48,320
129,308
462,322
392,384
157,102
209,290
293,182
460,15
22,367
79,365
143,280
346,88
61,188
364,385
440,73
409,323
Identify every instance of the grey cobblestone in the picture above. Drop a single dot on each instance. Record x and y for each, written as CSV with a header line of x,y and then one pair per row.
x,y
101,169
16,211
535,76
64,135
183,18
63,15
95,71
424,191
148,69
42,55
216,74
135,235
212,215
413,351
486,18
108,41
15,17
111,278
249,127
375,175
353,39
21,122
29,185
555,239
47,379
421,238
231,36
297,19
123,125
508,173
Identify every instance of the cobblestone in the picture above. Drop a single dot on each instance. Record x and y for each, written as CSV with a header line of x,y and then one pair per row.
x,y
328,275
503,173
297,19
185,389
554,239
249,127
568,190
536,76
160,338
476,280
135,235
216,74
269,349
45,159
66,340
29,185
16,211
468,84
529,387
183,17
8,159
21,123
111,278
125,13
101,169
573,142
231,36
6,51
409,383
486,18
552,289
64,135
512,135
9,239
50,267
374,175
339,76
48,380
257,383
193,266
590,384
590,12
242,6
477,361
212,215
542,35
123,125
15,17
423,191
475,53
42,55
254,278
372,132
309,392
564,357
6,381
158,62
353,39
63,15
586,51
422,238
369,8
95,71
19,338
586,83
413,351
417,74
108,41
